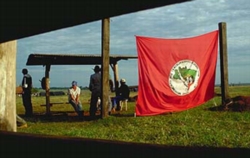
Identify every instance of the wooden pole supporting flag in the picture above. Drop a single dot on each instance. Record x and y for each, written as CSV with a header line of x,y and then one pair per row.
x,y
223,62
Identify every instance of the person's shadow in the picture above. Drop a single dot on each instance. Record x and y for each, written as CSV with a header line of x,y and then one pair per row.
x,y
55,116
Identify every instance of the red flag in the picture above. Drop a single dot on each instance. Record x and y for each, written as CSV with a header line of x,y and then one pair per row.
x,y
175,74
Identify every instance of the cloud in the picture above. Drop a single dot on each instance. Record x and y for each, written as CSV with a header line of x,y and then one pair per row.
x,y
174,21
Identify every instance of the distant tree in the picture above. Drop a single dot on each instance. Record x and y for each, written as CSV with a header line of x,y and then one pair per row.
x,y
34,90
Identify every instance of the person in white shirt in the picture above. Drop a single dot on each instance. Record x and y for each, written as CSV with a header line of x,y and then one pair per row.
x,y
74,98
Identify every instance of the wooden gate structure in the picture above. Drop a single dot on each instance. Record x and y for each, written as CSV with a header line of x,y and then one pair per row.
x,y
73,59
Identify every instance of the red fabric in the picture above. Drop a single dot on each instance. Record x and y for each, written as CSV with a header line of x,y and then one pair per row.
x,y
166,65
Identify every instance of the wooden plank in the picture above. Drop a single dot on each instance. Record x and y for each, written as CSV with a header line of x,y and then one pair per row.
x,y
8,86
47,69
45,145
51,104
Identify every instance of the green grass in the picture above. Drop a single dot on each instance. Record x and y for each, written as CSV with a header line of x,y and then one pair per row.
x,y
195,127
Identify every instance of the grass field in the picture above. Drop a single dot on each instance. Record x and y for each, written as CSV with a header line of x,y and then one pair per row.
x,y
199,126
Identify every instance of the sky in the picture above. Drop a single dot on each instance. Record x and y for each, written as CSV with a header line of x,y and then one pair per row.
x,y
182,20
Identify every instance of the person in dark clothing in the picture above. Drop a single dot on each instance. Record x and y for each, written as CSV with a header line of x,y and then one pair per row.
x,y
122,94
95,88
111,87
26,95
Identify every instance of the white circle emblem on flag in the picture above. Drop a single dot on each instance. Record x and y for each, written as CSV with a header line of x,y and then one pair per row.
x,y
184,77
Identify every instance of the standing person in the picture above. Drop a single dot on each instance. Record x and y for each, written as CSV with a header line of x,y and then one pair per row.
x,y
74,98
111,85
95,88
26,95
122,94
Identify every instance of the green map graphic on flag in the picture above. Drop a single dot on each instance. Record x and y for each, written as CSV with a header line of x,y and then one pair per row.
x,y
184,73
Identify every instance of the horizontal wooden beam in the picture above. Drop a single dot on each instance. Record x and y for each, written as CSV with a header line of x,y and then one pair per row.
x,y
24,144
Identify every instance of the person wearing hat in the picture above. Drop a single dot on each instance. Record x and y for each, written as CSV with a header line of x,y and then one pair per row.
x,y
26,95
122,94
95,88
74,98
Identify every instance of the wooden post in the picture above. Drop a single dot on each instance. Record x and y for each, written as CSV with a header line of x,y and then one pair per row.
x,y
114,67
47,88
116,77
8,86
105,67
223,62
